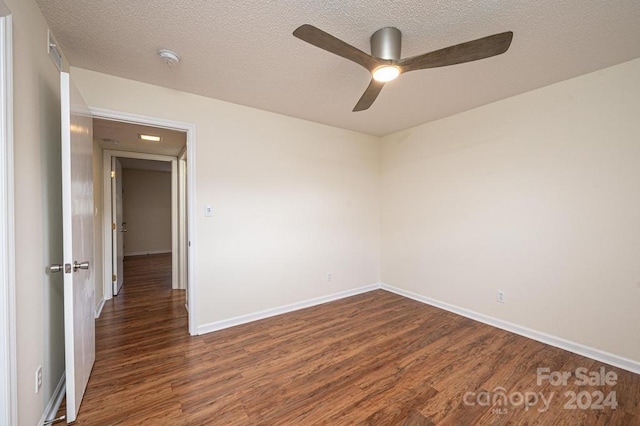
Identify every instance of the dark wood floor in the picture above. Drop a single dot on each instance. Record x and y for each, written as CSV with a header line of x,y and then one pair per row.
x,y
376,358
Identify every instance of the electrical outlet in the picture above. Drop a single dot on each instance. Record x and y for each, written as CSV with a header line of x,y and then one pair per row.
x,y
329,277
500,296
38,378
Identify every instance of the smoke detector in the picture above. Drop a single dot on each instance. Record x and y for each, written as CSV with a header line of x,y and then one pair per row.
x,y
169,57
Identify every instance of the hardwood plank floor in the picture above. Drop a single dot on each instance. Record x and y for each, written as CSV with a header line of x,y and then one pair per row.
x,y
375,358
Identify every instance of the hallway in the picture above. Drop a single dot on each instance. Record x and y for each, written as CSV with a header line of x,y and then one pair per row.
x,y
141,336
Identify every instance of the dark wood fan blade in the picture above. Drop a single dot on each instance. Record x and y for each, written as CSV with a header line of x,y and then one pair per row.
x,y
481,48
327,42
369,96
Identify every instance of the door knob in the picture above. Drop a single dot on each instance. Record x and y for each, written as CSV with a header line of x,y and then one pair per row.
x,y
83,265
56,267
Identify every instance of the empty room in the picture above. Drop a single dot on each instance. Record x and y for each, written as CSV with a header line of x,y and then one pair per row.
x,y
382,212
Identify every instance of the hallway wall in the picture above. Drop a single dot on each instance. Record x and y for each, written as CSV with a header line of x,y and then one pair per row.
x,y
146,211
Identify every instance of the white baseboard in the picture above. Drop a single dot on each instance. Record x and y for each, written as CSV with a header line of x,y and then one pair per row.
x,y
577,348
558,342
55,401
99,308
243,319
145,253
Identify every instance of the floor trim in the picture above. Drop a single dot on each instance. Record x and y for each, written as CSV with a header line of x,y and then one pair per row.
x,y
243,319
99,308
55,401
577,348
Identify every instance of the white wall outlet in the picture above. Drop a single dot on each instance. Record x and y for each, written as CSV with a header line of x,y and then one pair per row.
x,y
208,211
500,296
329,277
38,378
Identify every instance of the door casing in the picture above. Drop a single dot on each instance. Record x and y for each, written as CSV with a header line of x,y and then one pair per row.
x,y
107,160
117,237
8,366
191,245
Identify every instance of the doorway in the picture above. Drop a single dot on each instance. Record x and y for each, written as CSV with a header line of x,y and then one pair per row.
x,y
144,214
122,136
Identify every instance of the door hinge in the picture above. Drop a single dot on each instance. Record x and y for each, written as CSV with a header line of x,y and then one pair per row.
x,y
113,226
113,174
113,278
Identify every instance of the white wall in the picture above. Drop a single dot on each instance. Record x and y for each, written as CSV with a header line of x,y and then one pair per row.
x,y
292,200
537,195
147,211
39,307
534,195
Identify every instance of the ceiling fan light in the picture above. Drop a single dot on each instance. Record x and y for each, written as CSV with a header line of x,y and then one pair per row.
x,y
386,73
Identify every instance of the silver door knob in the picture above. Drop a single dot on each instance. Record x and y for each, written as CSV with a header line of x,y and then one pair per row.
x,y
56,267
83,265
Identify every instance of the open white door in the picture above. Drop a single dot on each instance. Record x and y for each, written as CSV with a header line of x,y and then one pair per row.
x,y
77,227
118,226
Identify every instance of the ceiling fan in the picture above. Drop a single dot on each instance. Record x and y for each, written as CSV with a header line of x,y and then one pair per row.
x,y
385,64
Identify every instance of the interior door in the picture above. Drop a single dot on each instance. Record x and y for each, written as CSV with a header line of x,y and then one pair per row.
x,y
119,227
77,228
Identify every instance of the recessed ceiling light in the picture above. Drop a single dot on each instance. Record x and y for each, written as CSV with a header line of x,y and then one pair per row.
x,y
149,138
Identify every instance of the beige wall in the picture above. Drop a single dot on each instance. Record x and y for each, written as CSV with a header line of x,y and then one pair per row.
x,y
39,307
147,211
534,195
537,195
292,200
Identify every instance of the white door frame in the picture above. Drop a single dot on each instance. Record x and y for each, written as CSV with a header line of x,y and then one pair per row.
x,y
8,377
190,130
117,237
182,218
107,161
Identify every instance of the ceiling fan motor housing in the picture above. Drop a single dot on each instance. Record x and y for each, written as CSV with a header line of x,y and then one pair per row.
x,y
386,43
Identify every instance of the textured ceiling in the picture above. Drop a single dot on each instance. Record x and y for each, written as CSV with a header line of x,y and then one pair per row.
x,y
243,51
121,136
